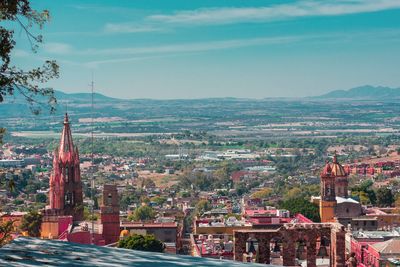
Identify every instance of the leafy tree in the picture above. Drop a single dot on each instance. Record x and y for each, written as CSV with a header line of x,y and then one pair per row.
x,y
20,13
159,200
142,242
364,192
142,213
13,78
303,206
87,215
384,197
185,194
202,206
127,199
241,189
202,182
222,175
293,193
6,229
222,193
2,132
263,193
42,198
31,223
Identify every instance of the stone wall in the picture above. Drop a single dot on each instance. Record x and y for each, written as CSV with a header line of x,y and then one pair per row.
x,y
309,234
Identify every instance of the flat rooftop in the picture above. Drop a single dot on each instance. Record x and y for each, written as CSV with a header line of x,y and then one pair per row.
x,y
25,251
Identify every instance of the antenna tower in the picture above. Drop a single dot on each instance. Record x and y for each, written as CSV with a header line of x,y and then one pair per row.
x,y
92,155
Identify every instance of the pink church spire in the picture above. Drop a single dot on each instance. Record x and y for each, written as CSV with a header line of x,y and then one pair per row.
x,y
65,181
66,144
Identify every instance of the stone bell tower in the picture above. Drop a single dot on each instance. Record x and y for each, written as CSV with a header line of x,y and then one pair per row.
x,y
328,197
109,214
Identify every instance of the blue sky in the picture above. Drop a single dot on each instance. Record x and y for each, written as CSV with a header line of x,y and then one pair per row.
x,y
217,48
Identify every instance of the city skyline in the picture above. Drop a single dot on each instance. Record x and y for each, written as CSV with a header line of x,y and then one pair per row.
x,y
153,49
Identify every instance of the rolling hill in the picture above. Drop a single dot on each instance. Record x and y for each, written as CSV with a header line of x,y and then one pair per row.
x,y
366,92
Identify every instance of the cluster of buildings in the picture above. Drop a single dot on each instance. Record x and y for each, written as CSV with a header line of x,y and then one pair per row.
x,y
386,168
242,229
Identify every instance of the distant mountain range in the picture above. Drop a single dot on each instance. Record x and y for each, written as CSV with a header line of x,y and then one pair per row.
x,y
17,106
83,96
366,92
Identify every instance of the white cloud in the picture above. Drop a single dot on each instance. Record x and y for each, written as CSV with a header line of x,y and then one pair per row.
x,y
96,63
128,28
57,48
190,47
228,15
20,53
139,53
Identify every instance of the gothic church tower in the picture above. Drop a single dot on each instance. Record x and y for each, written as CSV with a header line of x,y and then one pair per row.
x,y
65,181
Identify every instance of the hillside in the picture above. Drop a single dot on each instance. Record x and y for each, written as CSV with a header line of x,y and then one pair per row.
x,y
366,92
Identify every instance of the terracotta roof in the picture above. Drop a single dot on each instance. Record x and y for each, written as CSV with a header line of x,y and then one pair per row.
x,y
391,246
149,225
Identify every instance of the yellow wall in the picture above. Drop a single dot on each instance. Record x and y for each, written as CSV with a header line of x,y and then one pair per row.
x,y
327,211
388,219
49,230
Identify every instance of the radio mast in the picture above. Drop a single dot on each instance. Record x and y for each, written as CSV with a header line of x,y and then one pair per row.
x,y
92,156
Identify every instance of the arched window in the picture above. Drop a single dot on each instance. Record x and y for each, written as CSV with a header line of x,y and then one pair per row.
x,y
109,199
72,174
66,174
68,198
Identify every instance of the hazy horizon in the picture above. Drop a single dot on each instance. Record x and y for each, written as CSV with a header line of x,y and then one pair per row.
x,y
228,48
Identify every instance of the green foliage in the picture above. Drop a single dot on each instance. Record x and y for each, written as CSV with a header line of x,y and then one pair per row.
x,y
263,193
159,200
31,223
208,181
87,215
2,132
6,229
185,194
128,198
12,78
202,206
18,202
241,189
303,206
142,213
364,193
41,198
384,197
142,242
223,193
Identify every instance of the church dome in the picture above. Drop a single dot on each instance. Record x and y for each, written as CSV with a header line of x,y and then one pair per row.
x,y
124,233
337,169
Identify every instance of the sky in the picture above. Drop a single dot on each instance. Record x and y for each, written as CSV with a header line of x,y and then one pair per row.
x,y
168,49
